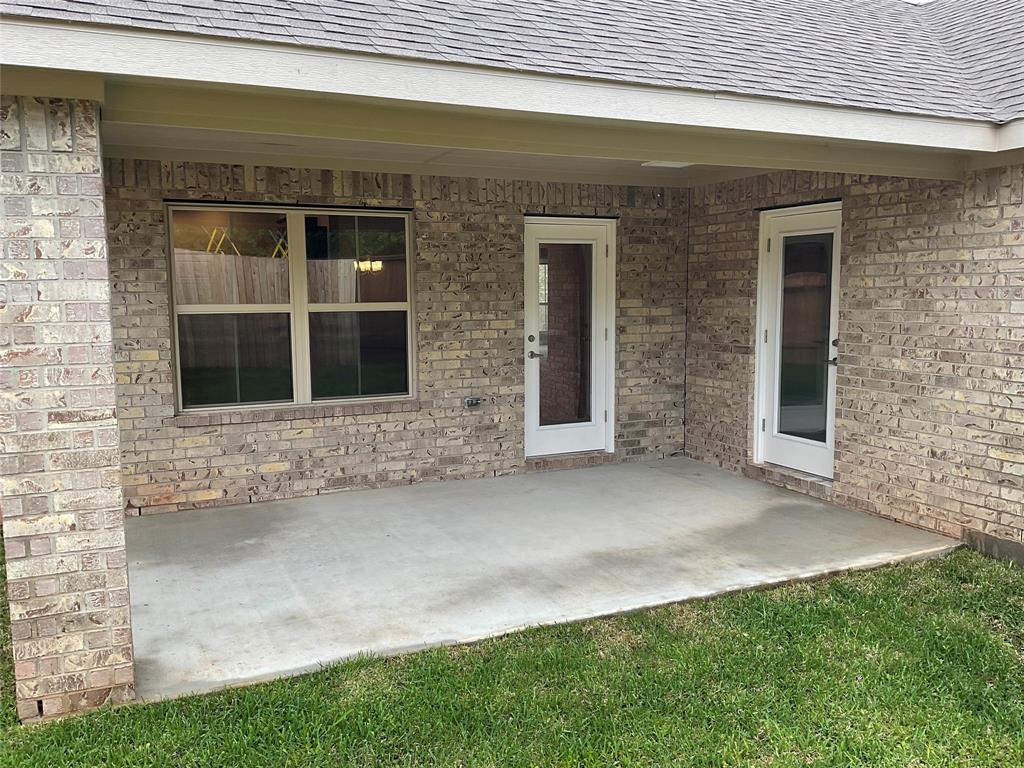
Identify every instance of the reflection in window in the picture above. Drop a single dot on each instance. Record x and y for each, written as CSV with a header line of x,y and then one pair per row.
x,y
235,316
358,354
355,259
230,257
806,311
235,358
565,322
542,307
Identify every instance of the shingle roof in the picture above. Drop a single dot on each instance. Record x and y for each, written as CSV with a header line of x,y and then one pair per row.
x,y
957,58
986,39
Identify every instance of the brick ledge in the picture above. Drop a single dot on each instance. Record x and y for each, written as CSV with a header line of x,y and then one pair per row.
x,y
793,479
292,413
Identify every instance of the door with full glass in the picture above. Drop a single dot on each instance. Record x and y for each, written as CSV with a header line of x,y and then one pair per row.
x,y
567,335
797,345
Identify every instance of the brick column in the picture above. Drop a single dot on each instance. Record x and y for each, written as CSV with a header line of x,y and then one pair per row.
x,y
60,497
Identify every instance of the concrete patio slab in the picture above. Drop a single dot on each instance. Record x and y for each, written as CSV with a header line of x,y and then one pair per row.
x,y
225,596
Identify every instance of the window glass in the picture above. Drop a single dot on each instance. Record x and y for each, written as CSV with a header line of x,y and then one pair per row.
x,y
230,257
806,313
355,259
331,262
235,358
358,354
566,285
382,244
236,319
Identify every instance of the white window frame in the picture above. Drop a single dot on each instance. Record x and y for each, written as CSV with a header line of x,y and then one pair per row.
x,y
298,309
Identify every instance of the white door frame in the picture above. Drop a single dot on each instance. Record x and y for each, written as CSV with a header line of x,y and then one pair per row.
x,y
599,433
774,225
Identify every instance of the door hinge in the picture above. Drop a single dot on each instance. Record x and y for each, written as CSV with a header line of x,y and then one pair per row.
x,y
606,415
762,425
606,250
765,335
606,334
769,245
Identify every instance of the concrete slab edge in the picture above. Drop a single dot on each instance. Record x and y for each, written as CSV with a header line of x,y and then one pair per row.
x,y
993,546
654,601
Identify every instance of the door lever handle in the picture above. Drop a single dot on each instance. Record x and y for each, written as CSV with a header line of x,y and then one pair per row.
x,y
833,361
531,354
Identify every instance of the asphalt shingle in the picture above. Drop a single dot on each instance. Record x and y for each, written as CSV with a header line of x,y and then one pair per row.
x,y
957,58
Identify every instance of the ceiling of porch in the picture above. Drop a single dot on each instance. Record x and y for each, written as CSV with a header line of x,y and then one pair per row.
x,y
215,145
148,119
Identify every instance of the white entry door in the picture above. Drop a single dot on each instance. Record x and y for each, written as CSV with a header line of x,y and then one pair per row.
x,y
568,332
797,340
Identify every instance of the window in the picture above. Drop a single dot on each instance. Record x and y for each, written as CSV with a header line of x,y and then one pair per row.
x,y
276,306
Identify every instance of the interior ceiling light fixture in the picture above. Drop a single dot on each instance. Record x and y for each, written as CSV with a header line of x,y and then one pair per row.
x,y
665,164
368,266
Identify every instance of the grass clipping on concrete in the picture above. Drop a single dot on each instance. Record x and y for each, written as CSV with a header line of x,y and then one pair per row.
x,y
912,665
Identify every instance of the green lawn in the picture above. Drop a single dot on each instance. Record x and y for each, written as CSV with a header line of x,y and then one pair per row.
x,y
916,665
8,718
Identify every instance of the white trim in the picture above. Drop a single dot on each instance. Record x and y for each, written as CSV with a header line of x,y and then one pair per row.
x,y
302,389
765,363
598,232
299,308
142,53
230,309
369,306
611,290
1010,136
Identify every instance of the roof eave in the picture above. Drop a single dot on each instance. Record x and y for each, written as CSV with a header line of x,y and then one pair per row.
x,y
129,52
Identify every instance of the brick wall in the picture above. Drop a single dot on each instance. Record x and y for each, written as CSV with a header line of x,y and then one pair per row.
x,y
930,421
63,525
468,262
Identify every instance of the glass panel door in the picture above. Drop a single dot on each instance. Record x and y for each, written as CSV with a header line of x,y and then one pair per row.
x,y
568,347
797,345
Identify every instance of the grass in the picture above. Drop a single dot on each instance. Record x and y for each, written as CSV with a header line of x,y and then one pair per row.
x,y
912,665
8,715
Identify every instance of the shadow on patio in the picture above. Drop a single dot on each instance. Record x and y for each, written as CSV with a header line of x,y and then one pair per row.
x,y
233,595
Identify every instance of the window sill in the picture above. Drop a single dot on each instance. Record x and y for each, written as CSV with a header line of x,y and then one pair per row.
x,y
292,412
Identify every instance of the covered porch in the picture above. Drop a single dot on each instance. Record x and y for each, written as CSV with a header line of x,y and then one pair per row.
x,y
376,214
223,597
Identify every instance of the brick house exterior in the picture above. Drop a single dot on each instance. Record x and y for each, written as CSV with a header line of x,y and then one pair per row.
x,y
931,363
930,426
62,505
468,300
929,414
